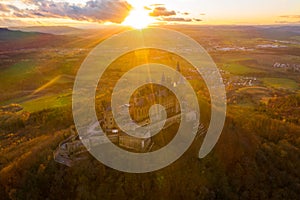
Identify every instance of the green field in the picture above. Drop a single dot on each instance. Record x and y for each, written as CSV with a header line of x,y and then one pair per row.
x,y
281,83
46,102
251,96
238,69
17,71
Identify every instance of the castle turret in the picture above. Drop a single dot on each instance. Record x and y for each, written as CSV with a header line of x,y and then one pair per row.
x,y
178,67
178,78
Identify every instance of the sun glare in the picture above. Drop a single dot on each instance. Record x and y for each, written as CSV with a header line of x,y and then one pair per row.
x,y
138,18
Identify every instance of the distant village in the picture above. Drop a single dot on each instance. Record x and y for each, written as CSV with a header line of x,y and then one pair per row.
x,y
287,67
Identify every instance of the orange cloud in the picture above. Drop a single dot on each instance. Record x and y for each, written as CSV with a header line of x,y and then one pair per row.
x,y
161,11
94,10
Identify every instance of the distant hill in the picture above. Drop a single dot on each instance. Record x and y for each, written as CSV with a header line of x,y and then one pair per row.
x,y
56,30
280,32
7,35
16,40
225,32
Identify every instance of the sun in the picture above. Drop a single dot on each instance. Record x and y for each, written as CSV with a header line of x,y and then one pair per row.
x,y
138,18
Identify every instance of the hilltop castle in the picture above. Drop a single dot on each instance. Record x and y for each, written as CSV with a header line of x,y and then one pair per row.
x,y
141,101
139,105
144,98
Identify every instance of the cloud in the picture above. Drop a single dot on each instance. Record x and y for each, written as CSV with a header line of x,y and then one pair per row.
x,y
157,5
197,20
176,19
287,22
179,19
94,10
13,22
161,11
289,19
183,13
4,8
290,16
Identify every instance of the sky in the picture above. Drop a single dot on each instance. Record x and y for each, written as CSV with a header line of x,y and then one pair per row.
x,y
144,12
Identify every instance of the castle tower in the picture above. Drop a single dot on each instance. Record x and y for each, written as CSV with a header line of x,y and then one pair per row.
x,y
178,78
178,67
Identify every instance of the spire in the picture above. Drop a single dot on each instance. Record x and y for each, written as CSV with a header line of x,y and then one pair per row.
x,y
178,79
178,67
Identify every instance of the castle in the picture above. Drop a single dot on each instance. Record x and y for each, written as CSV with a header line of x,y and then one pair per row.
x,y
72,149
143,99
139,106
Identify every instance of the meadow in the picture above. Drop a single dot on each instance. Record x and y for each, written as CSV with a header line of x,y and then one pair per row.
x,y
281,83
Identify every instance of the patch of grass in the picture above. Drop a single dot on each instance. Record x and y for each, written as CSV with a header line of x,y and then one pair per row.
x,y
241,59
254,90
45,102
281,83
238,69
17,71
250,96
